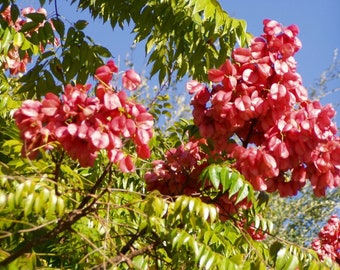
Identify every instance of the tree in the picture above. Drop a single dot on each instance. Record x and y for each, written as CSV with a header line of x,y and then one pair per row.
x,y
88,181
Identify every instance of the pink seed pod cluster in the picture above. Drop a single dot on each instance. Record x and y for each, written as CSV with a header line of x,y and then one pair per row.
x,y
83,124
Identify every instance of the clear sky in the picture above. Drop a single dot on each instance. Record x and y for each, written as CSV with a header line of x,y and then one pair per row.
x,y
318,20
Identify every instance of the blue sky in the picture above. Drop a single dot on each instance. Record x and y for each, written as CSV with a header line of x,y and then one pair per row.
x,y
319,24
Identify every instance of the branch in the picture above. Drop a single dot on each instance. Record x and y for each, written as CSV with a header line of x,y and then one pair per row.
x,y
126,258
57,162
245,143
64,223
129,244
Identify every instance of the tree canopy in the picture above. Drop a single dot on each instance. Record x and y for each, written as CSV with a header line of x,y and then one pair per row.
x,y
88,180
182,37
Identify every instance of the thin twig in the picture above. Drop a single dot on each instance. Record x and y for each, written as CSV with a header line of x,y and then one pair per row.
x,y
124,258
57,162
56,9
129,244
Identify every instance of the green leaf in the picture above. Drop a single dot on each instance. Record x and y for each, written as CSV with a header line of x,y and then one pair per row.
x,y
274,249
264,225
257,221
72,71
15,12
3,200
26,45
206,256
57,70
81,24
59,26
70,37
18,39
270,226
11,202
19,194
102,51
199,6
155,206
83,52
38,205
28,204
214,175
3,102
204,175
293,263
313,265
236,183
225,174
237,259
41,86
6,40
48,31
262,198
44,195
36,17
149,45
204,211
285,260
260,265
210,262
41,36
212,213
27,87
193,204
29,26
49,80
60,206
243,193
52,204
82,75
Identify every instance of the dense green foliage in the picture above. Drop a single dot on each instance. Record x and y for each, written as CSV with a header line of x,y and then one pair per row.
x,y
55,214
207,33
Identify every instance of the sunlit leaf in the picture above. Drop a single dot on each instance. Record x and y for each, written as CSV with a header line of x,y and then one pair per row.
x,y
225,178
242,194
236,184
282,258
214,176
18,39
